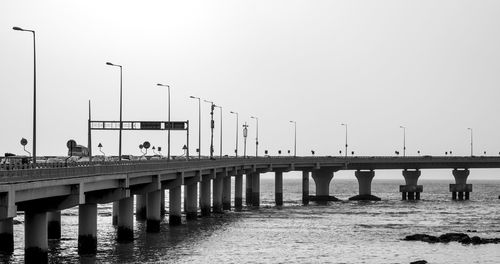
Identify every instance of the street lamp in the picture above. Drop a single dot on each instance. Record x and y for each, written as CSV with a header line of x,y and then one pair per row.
x,y
169,125
199,124
471,142
34,91
295,138
121,125
220,107
212,124
236,149
404,140
256,136
345,138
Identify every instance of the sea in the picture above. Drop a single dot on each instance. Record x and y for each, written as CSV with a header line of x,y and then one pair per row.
x,y
338,232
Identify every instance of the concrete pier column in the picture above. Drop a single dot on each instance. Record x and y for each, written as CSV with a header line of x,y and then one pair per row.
x,y
153,217
114,217
174,215
192,203
7,236
460,187
140,207
322,178
125,232
278,188
226,193
217,193
87,229
54,225
238,192
184,198
248,189
411,190
205,196
305,187
365,186
35,237
163,211
256,189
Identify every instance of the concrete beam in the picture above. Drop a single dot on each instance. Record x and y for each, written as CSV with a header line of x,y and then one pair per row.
x,y
106,196
8,208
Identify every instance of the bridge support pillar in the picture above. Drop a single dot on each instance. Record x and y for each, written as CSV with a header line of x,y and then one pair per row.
x,y
411,191
7,236
226,193
114,217
322,178
278,188
54,225
256,189
205,195
248,189
192,204
87,229
125,232
305,187
365,186
217,193
460,187
238,192
140,207
153,217
162,204
35,237
174,216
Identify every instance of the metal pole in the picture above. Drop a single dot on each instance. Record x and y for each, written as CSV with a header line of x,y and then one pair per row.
x,y
404,140
89,143
34,99
121,109
212,125
236,149
34,91
345,138
220,107
168,147
471,142
256,136
295,139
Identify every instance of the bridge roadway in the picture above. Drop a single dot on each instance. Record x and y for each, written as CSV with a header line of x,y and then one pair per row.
x,y
44,191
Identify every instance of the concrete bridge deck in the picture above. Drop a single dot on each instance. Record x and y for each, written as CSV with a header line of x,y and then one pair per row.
x,y
44,191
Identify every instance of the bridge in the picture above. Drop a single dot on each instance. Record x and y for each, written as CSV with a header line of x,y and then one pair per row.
x,y
43,190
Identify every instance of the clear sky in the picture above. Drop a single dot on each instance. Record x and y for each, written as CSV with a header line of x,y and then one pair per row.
x,y
432,66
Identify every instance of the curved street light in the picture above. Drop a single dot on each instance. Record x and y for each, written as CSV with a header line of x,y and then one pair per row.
x,y
34,90
256,136
168,140
404,140
345,124
121,97
199,124
471,142
295,138
236,149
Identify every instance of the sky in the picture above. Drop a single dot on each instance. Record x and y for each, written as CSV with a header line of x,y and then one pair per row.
x,y
431,66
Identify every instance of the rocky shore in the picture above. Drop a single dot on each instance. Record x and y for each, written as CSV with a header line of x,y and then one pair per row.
x,y
452,237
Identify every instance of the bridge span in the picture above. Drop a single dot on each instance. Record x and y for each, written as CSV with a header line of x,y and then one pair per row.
x,y
44,191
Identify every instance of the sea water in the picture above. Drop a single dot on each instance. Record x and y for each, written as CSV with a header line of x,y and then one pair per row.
x,y
339,232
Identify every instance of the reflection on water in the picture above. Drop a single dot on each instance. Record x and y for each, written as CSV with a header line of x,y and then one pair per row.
x,y
340,232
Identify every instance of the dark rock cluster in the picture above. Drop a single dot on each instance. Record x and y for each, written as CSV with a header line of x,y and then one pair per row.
x,y
419,262
452,237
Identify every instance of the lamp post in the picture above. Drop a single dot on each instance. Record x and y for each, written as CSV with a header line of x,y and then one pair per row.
x,y
199,124
212,124
121,125
256,136
404,140
345,138
295,138
169,125
236,149
471,142
220,107
34,91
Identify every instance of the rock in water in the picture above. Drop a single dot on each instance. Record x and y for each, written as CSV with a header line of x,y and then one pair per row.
x,y
419,262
